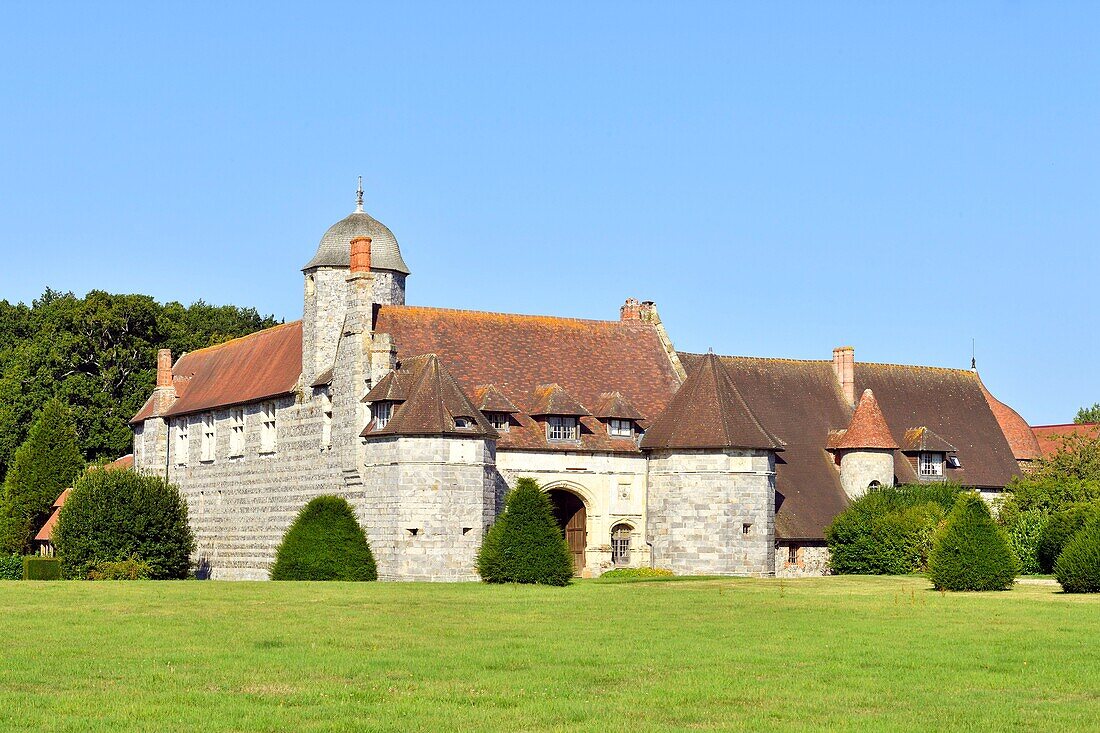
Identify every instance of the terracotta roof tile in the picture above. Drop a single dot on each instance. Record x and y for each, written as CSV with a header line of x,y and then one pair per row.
x,y
490,399
614,405
434,403
925,440
552,399
389,388
1017,432
868,428
1050,437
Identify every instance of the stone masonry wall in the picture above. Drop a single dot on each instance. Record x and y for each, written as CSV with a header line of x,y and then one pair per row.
x,y
325,305
811,559
712,512
858,468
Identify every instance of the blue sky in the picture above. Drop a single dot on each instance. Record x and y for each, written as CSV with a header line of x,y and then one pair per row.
x,y
780,180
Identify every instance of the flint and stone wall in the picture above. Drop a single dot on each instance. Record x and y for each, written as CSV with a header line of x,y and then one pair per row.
x,y
811,559
858,468
699,505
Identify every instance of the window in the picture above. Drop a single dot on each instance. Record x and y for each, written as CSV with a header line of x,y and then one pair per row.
x,y
208,438
381,412
953,461
620,428
746,528
236,432
183,444
620,544
930,464
463,423
874,485
793,552
326,420
562,428
267,428
499,421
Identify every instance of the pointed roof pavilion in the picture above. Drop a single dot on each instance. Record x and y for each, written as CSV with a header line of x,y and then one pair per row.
x,y
868,428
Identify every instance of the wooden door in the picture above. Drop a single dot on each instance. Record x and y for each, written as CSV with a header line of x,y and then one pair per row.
x,y
576,534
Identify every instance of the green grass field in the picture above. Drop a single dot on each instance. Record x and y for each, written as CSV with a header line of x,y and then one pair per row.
x,y
841,653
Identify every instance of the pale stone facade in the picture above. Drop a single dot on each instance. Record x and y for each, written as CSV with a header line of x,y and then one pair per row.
x,y
861,469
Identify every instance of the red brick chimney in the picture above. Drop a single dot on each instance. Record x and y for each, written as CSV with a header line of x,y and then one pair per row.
x,y
164,368
844,366
360,255
642,312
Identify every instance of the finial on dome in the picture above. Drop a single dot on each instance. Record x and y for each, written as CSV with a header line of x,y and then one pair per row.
x,y
359,196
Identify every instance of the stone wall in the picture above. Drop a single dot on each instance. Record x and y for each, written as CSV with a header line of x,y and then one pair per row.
x,y
712,512
325,304
810,559
858,468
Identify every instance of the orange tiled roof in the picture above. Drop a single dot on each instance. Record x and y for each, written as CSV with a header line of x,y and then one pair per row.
x,y
1017,432
1049,437
868,428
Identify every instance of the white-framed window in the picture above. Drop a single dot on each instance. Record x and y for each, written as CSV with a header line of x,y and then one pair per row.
x,y
326,419
620,544
953,461
617,428
236,432
499,421
561,428
930,464
183,442
381,412
267,428
209,438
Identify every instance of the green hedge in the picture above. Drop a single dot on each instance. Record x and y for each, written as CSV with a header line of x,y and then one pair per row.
x,y
525,545
325,542
621,573
131,568
970,552
11,567
1078,567
41,568
1060,528
1025,531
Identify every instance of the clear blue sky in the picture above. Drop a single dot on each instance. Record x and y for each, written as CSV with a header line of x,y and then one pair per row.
x,y
781,180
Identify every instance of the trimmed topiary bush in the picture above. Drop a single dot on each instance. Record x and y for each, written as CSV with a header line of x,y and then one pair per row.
x,y
41,568
325,542
1078,567
1060,528
970,552
525,545
112,516
129,569
11,567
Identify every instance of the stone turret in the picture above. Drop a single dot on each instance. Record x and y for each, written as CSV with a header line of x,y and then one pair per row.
x,y
865,450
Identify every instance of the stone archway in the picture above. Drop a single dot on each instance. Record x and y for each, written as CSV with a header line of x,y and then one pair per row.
x,y
572,516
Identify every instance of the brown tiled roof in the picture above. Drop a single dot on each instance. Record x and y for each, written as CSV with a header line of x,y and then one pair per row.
x,y
1050,437
434,401
552,399
1016,430
490,399
868,428
323,379
709,412
517,353
614,405
389,388
925,440
261,365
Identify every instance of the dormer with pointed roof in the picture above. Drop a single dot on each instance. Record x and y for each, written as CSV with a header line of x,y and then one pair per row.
x,y
868,428
552,399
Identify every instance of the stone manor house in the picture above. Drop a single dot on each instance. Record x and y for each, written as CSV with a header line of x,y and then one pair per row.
x,y
423,417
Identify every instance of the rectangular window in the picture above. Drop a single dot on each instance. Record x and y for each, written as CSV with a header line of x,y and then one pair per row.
x,y
620,428
381,412
620,545
792,554
236,432
208,437
930,464
953,461
267,428
562,428
183,444
326,420
499,421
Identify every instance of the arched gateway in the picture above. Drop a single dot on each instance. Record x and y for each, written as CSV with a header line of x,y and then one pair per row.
x,y
572,517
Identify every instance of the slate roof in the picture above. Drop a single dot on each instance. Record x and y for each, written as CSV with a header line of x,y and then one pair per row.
x,y
868,428
1049,437
334,249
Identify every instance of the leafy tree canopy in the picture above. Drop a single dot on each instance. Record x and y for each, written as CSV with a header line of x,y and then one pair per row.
x,y
98,355
1088,415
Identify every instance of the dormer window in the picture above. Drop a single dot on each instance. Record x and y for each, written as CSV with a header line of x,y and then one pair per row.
x,y
561,428
953,461
499,421
381,412
617,428
929,464
463,423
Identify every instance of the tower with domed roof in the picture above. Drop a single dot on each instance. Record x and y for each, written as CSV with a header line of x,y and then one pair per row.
x,y
326,286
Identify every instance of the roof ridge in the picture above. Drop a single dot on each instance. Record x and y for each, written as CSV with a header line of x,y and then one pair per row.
x,y
627,324
829,361
1067,425
241,338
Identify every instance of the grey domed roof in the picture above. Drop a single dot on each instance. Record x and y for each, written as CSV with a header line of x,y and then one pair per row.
x,y
335,247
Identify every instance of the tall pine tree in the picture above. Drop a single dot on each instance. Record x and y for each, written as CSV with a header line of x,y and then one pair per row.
x,y
46,464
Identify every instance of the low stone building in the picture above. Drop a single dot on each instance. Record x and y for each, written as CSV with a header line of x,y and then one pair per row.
x,y
422,418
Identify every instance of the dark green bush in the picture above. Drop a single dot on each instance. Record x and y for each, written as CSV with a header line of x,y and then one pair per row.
x,y
888,531
1024,533
970,552
325,542
1078,567
41,568
1060,528
525,545
11,567
131,568
627,573
114,515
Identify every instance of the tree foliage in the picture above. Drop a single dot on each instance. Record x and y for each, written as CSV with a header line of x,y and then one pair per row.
x,y
1078,567
325,542
1088,415
98,355
970,552
1060,529
114,515
45,464
525,545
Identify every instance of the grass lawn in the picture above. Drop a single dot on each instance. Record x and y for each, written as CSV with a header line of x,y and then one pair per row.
x,y
843,653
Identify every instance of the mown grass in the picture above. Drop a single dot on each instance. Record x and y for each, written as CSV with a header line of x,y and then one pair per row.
x,y
841,653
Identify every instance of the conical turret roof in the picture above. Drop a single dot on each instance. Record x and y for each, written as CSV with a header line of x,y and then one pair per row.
x,y
868,428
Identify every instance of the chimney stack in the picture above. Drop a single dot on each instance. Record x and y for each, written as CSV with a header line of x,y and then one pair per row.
x,y
844,366
360,255
164,368
643,312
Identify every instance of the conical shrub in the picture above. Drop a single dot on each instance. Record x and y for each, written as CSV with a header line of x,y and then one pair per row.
x,y
1063,526
325,542
525,545
971,552
1078,567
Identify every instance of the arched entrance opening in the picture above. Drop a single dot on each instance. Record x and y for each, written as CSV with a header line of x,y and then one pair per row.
x,y
572,517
